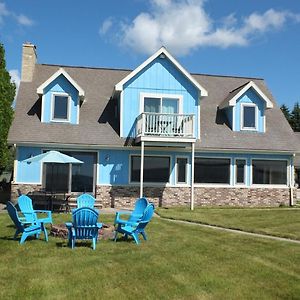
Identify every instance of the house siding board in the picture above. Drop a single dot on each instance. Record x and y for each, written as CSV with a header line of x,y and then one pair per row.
x,y
60,85
113,167
28,173
250,97
159,77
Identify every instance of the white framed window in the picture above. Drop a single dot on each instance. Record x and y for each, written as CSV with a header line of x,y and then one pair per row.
x,y
182,170
212,170
249,116
60,107
240,171
269,172
161,103
156,169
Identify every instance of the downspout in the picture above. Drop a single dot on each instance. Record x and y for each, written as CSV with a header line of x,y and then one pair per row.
x,y
292,172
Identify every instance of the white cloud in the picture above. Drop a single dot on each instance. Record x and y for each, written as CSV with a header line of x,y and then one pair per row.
x,y
3,12
15,77
23,20
185,25
105,27
20,18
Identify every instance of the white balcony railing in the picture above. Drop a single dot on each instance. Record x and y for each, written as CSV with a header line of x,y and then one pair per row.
x,y
166,125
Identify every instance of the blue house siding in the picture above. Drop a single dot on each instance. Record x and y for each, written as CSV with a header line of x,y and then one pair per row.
x,y
60,85
28,173
159,77
250,97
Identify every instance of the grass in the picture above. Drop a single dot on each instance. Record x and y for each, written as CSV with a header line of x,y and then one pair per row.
x,y
178,262
281,222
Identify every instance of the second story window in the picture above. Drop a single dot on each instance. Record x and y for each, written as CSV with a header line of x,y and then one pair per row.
x,y
166,104
248,116
60,107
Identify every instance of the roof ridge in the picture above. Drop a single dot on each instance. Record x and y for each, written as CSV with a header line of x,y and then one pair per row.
x,y
130,70
85,67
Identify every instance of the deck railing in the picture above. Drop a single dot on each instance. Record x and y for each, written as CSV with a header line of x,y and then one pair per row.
x,y
167,125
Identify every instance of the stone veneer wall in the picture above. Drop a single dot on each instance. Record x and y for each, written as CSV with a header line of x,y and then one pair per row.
x,y
24,189
125,196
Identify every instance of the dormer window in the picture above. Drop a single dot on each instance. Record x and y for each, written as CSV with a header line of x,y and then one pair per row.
x,y
248,116
60,107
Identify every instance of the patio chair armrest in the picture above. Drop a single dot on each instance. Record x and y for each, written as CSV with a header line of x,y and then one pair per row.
x,y
125,223
69,225
42,211
99,225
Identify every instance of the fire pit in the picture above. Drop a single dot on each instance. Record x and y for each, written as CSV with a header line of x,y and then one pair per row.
x,y
105,233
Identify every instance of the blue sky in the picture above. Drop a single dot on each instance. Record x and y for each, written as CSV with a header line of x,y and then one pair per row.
x,y
242,38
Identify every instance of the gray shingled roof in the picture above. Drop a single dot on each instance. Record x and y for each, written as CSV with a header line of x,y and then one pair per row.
x,y
99,126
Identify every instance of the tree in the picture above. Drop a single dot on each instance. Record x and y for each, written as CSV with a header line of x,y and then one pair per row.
x,y
7,94
295,117
286,112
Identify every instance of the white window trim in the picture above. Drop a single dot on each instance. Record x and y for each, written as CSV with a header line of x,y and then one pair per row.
x,y
53,95
160,96
235,172
243,105
186,183
216,184
151,183
270,185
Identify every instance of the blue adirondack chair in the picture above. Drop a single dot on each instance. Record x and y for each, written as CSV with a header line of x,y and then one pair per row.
x,y
85,200
84,226
31,215
135,215
27,229
135,228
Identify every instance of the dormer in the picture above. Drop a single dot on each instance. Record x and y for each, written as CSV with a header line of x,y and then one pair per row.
x,y
159,100
61,98
245,108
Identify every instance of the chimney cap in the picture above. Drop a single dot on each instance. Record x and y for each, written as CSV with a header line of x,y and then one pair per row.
x,y
29,44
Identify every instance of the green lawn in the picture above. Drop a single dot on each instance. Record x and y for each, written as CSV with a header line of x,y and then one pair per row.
x,y
282,222
178,262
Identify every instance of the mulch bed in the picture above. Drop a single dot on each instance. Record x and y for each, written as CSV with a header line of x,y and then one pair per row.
x,y
105,233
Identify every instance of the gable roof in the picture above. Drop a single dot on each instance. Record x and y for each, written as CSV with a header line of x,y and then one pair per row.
x,y
98,126
60,71
235,94
162,51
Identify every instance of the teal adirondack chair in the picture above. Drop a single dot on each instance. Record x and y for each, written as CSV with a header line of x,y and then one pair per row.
x,y
85,200
84,226
27,229
135,215
31,215
135,228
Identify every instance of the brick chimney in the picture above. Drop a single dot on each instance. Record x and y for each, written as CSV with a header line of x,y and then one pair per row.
x,y
29,60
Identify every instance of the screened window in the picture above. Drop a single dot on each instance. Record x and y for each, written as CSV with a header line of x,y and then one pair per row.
x,y
249,117
269,172
240,171
182,170
156,169
212,170
161,105
60,107
72,177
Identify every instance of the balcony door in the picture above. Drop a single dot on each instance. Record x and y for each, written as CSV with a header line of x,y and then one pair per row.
x,y
161,105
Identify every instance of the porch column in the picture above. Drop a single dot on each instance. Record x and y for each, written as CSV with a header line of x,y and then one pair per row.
x,y
142,169
192,176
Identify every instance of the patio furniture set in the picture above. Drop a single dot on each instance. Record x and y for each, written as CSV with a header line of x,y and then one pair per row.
x,y
84,225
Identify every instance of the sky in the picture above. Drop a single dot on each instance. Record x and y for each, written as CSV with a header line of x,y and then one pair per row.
x,y
252,38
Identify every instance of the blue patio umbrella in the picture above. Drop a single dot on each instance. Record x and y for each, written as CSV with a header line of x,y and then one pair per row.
x,y
53,157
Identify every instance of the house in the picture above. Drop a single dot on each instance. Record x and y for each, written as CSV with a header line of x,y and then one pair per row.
x,y
159,131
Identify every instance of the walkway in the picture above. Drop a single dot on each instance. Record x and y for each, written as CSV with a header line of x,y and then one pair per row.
x,y
236,231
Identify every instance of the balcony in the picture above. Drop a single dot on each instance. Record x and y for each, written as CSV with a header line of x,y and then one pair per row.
x,y
165,127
